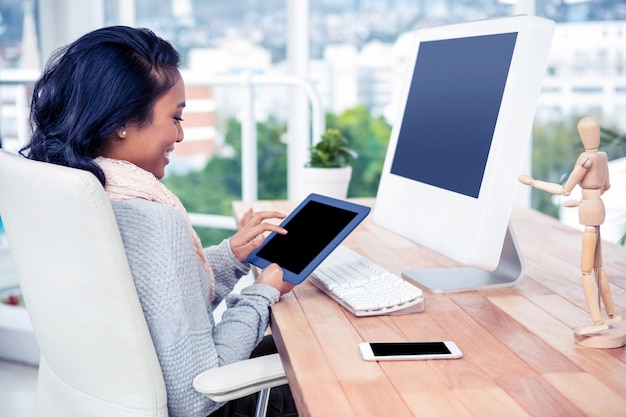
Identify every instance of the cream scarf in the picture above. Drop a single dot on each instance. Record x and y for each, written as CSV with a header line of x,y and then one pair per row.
x,y
125,181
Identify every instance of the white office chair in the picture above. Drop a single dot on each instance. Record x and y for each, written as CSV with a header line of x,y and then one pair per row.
x,y
97,357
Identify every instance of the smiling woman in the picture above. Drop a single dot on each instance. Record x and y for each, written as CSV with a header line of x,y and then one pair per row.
x,y
111,103
97,103
149,145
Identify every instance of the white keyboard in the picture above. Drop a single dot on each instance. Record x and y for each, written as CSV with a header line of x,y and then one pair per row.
x,y
363,287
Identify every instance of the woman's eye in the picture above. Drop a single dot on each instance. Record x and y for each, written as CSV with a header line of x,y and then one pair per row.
x,y
178,118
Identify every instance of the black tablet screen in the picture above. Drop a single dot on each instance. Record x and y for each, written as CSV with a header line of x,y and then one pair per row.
x,y
308,233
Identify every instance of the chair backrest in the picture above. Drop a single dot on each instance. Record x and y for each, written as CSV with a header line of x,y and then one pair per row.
x,y
97,357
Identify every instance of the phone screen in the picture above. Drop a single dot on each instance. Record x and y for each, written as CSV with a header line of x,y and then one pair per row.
x,y
409,349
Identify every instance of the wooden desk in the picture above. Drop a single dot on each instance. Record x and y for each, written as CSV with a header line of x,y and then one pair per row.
x,y
520,358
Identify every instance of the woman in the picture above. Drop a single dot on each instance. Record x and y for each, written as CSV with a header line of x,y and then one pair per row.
x,y
111,103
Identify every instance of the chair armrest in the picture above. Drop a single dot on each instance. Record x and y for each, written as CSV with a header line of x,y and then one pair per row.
x,y
242,378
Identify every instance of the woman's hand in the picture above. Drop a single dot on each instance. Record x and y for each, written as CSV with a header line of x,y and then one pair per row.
x,y
251,232
273,275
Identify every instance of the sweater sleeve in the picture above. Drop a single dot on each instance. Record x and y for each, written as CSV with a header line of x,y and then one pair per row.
x,y
226,268
173,289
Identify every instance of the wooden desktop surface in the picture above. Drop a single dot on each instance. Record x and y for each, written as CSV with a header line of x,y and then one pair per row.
x,y
519,359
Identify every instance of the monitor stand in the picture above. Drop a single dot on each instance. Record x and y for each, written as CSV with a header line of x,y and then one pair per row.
x,y
445,280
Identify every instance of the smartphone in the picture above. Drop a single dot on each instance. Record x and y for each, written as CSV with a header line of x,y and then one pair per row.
x,y
396,351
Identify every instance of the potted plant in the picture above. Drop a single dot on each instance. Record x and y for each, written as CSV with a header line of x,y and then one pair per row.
x,y
328,171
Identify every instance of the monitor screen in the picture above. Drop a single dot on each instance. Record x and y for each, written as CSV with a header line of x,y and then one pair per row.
x,y
454,101
460,137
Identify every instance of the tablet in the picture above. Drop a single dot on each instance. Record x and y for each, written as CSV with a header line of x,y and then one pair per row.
x,y
316,227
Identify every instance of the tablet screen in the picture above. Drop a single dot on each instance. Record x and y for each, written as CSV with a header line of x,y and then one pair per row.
x,y
308,233
314,229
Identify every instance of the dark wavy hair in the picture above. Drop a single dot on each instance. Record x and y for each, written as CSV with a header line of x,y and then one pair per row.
x,y
92,88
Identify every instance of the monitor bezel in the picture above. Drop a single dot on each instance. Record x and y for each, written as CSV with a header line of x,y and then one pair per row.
x,y
471,230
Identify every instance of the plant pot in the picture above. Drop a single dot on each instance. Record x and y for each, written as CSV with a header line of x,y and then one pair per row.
x,y
331,182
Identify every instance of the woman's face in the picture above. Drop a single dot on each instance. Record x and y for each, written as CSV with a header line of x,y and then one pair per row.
x,y
149,146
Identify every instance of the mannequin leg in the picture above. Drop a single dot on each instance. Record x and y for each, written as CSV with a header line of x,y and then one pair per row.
x,y
588,259
603,285
605,290
603,334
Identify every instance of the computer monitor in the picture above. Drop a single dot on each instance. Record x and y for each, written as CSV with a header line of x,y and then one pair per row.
x,y
458,144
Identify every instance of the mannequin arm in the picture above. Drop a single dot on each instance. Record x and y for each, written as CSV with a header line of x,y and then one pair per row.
x,y
577,174
549,187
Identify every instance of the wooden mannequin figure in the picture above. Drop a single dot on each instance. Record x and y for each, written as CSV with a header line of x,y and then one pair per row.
x,y
592,175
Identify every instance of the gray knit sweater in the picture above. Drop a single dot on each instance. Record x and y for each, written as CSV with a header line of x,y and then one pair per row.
x,y
173,290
